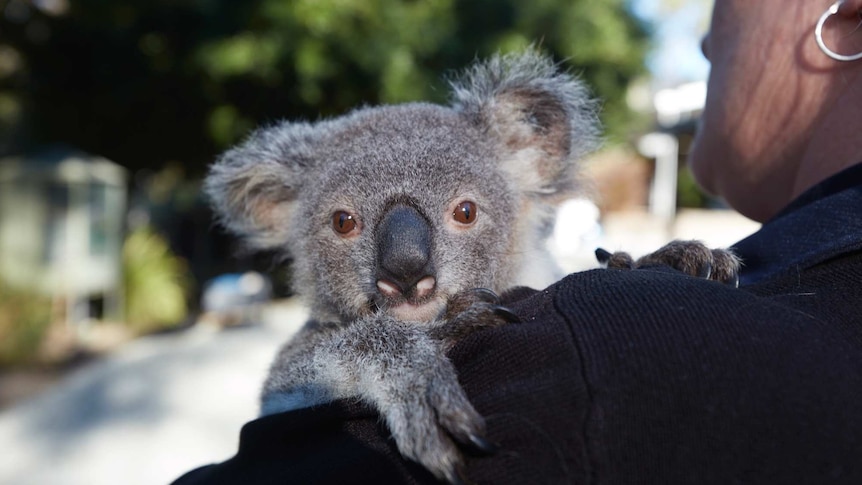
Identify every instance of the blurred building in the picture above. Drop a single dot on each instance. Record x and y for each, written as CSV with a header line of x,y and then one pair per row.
x,y
677,111
61,230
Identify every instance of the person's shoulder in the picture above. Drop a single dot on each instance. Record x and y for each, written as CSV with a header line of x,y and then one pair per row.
x,y
620,295
631,355
659,309
604,309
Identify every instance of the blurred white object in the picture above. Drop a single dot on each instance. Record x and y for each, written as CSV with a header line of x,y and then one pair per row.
x,y
235,298
664,148
577,233
680,104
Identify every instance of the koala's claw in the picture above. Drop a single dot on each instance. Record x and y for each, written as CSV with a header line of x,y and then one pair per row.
x,y
603,256
460,477
469,311
733,280
464,300
506,314
725,267
486,295
483,446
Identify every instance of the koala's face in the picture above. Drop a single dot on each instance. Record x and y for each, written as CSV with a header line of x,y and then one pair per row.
x,y
397,208
408,207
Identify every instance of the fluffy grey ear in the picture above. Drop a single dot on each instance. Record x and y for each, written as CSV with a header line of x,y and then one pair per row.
x,y
254,187
544,118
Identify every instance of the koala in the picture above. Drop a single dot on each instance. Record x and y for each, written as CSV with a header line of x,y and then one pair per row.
x,y
403,224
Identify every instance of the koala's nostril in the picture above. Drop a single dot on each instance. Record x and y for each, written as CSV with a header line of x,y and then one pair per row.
x,y
421,289
388,288
425,286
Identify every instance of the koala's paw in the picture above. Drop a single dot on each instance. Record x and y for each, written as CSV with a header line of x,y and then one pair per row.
x,y
690,257
469,311
429,426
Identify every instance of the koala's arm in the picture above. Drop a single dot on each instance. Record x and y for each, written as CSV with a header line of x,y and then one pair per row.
x,y
398,368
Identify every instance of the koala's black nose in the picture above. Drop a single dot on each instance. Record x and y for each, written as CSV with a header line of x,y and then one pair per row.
x,y
404,250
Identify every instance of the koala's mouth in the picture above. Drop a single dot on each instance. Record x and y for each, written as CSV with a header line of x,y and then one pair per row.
x,y
416,312
420,303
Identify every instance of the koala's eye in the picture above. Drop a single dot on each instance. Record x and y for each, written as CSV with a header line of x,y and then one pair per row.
x,y
343,223
465,212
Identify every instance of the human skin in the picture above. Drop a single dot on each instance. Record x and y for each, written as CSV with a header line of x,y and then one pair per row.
x,y
780,116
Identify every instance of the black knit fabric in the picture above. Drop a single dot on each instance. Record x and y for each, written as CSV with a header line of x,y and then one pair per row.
x,y
646,376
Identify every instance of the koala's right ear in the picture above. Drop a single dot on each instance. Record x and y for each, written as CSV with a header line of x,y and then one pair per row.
x,y
543,118
253,187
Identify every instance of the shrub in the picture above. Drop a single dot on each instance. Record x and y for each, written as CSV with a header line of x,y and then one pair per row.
x,y
156,282
24,320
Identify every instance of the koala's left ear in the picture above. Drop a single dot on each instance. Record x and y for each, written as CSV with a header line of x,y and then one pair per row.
x,y
543,118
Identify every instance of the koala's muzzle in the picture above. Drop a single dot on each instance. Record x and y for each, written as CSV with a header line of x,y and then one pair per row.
x,y
404,254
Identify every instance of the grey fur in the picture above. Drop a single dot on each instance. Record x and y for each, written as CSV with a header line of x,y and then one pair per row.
x,y
509,142
690,257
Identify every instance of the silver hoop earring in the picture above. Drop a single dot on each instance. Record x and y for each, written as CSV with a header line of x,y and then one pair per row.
x,y
818,35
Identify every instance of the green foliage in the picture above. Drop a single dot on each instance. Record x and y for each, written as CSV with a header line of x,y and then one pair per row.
x,y
24,321
145,82
688,192
156,282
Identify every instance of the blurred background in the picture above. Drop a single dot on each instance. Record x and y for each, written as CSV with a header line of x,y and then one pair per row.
x,y
134,335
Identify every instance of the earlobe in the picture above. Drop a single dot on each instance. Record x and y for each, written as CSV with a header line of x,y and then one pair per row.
x,y
850,8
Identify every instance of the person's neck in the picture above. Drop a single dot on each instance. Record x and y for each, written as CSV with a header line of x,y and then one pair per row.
x,y
836,141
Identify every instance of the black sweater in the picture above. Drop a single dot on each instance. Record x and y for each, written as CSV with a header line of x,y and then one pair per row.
x,y
646,376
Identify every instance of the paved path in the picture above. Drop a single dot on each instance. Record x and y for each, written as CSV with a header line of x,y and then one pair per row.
x,y
158,407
